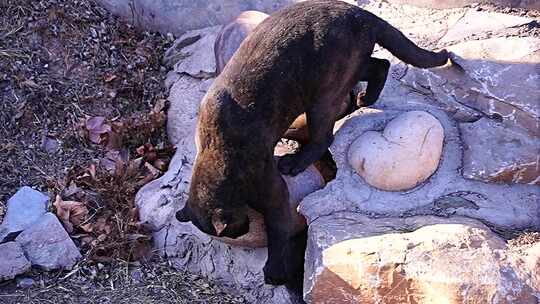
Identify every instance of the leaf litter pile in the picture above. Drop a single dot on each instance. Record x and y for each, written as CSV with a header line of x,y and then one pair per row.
x,y
82,116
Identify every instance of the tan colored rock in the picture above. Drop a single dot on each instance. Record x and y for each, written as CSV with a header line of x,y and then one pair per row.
x,y
402,156
452,261
232,35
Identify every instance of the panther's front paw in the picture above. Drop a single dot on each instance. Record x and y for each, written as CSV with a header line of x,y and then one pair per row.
x,y
274,275
291,164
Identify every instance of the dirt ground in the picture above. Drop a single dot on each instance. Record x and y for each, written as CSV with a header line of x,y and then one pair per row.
x,y
104,284
62,62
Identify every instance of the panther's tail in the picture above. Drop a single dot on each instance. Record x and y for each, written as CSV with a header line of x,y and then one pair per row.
x,y
400,46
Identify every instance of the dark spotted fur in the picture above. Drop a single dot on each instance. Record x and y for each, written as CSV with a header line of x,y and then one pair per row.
x,y
303,59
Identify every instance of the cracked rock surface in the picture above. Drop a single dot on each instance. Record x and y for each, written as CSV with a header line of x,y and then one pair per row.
x,y
24,208
415,260
47,245
401,246
13,261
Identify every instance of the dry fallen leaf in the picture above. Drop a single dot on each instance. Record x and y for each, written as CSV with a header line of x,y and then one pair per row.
x,y
97,128
71,213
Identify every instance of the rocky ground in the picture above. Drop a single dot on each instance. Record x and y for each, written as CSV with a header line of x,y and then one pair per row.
x,y
468,220
63,64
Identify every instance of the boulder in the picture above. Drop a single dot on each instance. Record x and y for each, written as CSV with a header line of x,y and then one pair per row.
x,y
13,261
403,155
495,79
531,4
188,48
513,154
445,193
231,36
475,21
47,245
179,16
23,209
357,259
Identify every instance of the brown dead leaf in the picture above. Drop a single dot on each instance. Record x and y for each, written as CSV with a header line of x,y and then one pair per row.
x,y
71,213
110,78
97,129
102,227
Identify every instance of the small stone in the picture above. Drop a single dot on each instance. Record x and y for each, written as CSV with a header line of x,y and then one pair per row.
x,y
23,209
25,283
50,144
137,275
47,244
13,261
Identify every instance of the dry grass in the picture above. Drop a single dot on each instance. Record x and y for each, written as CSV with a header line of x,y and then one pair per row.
x,y
119,283
62,62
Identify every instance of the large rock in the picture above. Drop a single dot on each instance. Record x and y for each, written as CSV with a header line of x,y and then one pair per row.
x,y
47,245
478,21
424,260
13,261
194,62
403,155
445,192
513,154
23,209
496,79
179,16
232,35
533,4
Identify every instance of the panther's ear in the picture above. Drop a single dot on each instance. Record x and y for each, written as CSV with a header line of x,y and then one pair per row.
x,y
183,215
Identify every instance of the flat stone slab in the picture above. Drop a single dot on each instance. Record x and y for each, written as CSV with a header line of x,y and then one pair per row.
x,y
513,154
23,209
13,261
47,244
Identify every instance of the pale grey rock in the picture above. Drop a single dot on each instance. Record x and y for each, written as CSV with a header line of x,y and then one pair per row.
x,y
13,261
354,258
445,192
475,22
442,4
424,26
23,209
495,153
238,269
193,53
496,79
179,16
47,245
